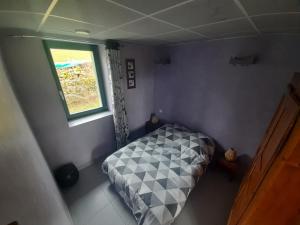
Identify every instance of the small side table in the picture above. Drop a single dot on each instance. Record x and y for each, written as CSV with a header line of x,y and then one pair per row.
x,y
149,127
14,223
231,168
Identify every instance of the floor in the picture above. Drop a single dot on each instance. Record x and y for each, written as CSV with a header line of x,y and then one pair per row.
x,y
93,201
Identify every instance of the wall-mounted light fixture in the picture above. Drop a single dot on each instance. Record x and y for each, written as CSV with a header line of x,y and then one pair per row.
x,y
243,60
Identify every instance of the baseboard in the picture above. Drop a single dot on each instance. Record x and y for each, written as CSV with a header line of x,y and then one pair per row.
x,y
85,165
98,159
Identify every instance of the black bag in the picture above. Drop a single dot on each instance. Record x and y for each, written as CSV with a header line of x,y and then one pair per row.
x,y
66,175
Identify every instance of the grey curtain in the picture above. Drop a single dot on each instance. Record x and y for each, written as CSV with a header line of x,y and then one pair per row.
x,y
118,101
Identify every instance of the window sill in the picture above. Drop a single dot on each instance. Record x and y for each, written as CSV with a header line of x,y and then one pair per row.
x,y
87,119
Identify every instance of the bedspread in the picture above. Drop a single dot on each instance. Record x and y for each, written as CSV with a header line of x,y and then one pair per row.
x,y
155,174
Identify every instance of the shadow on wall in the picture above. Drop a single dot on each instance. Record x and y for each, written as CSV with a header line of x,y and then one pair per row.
x,y
97,153
137,133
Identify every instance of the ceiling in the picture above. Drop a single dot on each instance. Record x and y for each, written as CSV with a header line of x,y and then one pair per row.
x,y
153,21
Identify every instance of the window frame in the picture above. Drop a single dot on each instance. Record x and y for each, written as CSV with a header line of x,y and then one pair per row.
x,y
48,44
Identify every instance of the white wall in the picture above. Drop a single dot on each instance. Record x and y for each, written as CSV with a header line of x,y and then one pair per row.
x,y
28,193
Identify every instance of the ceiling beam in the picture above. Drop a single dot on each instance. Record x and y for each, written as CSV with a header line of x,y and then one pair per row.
x,y
242,8
47,14
144,16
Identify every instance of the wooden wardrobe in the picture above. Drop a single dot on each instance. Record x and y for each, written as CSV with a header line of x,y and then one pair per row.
x,y
270,192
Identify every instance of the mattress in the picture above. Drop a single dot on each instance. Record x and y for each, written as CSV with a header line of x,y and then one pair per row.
x,y
156,173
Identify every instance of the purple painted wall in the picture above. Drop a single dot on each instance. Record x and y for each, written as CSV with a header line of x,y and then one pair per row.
x,y
233,104
35,88
139,100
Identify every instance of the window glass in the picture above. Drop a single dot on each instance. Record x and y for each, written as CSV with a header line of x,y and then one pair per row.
x,y
78,79
76,70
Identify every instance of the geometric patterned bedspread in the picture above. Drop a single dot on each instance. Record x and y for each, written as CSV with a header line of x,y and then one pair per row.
x,y
155,174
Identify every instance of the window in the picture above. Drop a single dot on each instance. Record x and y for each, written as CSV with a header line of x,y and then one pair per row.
x,y
77,72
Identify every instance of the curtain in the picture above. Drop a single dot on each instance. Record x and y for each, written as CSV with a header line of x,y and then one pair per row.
x,y
118,100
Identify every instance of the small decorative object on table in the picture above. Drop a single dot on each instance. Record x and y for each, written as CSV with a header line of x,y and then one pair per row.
x,y
230,163
230,155
153,124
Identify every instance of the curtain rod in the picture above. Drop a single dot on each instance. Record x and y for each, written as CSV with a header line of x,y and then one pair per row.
x,y
57,39
95,42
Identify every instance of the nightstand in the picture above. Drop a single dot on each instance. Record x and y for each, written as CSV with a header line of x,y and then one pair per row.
x,y
231,168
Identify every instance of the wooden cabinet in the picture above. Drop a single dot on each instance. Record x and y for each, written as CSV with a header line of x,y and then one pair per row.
x,y
270,192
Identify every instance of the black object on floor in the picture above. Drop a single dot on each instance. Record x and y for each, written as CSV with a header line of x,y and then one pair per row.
x,y
66,175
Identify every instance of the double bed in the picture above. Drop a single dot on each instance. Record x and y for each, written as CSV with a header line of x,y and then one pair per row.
x,y
156,173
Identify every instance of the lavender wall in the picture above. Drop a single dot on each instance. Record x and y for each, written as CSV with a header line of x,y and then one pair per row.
x,y
31,77
233,104
140,100
35,87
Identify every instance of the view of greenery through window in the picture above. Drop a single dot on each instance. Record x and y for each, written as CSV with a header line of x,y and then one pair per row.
x,y
78,79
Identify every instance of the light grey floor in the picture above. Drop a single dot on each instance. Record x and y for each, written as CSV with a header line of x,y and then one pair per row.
x,y
93,201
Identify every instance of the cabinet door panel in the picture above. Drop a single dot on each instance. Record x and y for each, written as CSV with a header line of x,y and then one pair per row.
x,y
286,119
275,136
292,155
246,192
255,175
277,202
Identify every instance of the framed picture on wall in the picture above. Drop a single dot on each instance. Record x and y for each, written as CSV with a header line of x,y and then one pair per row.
x,y
130,64
130,72
131,83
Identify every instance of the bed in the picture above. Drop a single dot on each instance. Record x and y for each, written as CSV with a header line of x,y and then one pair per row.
x,y
156,173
